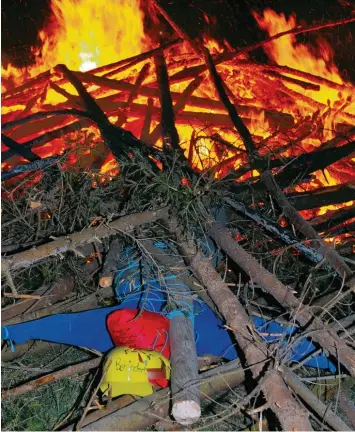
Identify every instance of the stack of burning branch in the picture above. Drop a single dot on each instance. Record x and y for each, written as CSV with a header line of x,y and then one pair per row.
x,y
251,134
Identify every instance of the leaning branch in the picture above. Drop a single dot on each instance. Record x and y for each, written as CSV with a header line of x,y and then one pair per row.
x,y
284,295
255,350
73,241
36,165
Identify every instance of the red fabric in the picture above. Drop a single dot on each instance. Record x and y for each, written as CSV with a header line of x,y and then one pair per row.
x,y
162,382
149,331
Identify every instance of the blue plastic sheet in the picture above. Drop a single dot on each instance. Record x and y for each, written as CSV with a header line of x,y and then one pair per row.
x,y
88,329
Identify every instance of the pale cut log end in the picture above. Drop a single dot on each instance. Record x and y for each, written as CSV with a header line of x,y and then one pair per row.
x,y
106,281
186,412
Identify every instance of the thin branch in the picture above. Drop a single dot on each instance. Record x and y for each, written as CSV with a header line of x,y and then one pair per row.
x,y
74,241
50,378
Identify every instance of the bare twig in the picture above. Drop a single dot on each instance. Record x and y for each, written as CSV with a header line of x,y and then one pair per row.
x,y
67,243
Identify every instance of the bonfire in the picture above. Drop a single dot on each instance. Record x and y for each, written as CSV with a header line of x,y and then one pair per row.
x,y
233,176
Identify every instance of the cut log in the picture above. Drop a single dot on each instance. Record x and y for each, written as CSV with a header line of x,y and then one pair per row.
x,y
186,407
110,263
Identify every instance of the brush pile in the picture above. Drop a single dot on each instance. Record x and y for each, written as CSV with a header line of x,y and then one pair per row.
x,y
183,144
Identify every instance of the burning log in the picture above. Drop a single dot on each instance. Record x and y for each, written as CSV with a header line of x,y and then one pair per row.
x,y
236,120
183,35
309,162
326,223
132,61
115,137
133,94
147,121
267,178
178,107
49,136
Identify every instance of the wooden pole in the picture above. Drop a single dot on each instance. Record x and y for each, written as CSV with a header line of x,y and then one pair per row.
x,y
185,391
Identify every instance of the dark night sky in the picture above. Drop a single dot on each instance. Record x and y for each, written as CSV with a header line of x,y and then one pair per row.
x,y
21,20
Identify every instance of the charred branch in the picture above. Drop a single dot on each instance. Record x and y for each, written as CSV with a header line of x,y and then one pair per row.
x,y
334,259
19,149
275,230
169,133
236,120
36,165
307,163
323,197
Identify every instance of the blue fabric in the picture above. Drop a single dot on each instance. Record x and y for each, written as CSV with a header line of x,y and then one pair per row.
x,y
88,329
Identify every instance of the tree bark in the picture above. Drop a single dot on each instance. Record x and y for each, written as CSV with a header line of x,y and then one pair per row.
x,y
74,241
284,295
323,411
186,407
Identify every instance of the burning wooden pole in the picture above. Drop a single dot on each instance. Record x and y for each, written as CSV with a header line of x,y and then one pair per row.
x,y
267,178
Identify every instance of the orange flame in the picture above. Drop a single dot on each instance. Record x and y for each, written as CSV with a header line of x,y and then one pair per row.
x,y
85,34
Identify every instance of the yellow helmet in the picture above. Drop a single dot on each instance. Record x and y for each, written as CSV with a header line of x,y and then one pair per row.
x,y
133,371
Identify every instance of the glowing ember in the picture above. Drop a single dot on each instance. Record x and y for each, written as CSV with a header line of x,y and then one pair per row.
x,y
291,106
